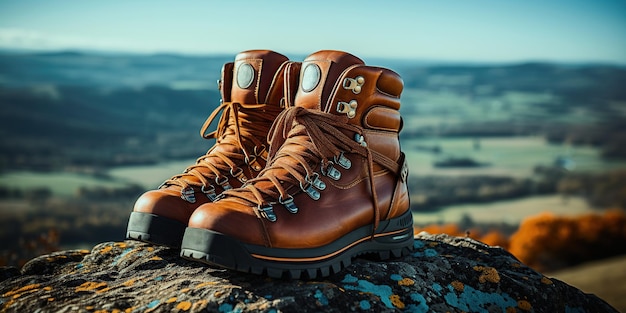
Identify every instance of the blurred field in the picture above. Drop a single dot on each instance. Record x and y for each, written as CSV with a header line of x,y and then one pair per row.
x,y
507,211
505,156
603,278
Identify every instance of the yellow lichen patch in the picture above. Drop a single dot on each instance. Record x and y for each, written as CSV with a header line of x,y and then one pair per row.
x,y
120,244
89,307
31,287
50,299
129,282
54,258
8,304
90,285
47,288
489,274
395,300
199,304
406,282
184,290
129,310
150,249
457,285
156,258
84,251
185,305
170,300
546,280
524,305
208,283
106,250
103,290
218,293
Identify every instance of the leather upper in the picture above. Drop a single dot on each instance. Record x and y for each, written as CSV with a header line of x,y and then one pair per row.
x,y
344,110
253,90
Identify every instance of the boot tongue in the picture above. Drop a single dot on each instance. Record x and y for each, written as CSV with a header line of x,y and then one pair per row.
x,y
253,77
320,73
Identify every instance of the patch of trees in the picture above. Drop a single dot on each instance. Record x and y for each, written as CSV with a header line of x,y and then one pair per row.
x,y
547,242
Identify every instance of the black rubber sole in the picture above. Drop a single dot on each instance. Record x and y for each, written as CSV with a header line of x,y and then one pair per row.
x,y
155,229
392,238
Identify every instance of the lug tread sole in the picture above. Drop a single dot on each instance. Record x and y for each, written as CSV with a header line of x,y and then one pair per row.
x,y
155,229
313,272
220,250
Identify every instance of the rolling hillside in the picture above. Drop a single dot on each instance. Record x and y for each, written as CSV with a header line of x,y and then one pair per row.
x,y
71,108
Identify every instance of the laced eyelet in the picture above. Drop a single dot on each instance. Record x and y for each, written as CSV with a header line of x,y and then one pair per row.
x,y
210,193
330,171
360,139
188,194
343,161
267,212
223,182
311,185
253,163
262,152
288,204
239,175
316,181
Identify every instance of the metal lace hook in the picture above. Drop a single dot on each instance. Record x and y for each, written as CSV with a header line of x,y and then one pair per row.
x,y
210,193
288,204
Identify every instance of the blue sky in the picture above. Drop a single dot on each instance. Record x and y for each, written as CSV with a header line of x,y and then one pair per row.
x,y
453,30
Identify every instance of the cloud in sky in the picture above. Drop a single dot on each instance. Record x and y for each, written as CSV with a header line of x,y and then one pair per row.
x,y
477,30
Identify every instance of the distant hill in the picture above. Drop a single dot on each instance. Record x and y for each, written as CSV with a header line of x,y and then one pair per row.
x,y
575,84
110,70
47,127
67,108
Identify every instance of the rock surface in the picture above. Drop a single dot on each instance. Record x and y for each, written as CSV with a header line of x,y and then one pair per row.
x,y
443,274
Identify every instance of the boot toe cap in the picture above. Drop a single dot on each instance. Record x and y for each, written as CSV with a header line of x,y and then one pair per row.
x,y
230,218
165,203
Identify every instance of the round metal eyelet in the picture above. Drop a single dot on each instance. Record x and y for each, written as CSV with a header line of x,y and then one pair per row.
x,y
311,77
245,75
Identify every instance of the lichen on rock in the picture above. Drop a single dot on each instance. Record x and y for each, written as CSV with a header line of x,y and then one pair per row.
x,y
443,274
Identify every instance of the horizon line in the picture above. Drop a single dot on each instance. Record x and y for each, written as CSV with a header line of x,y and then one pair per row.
x,y
414,60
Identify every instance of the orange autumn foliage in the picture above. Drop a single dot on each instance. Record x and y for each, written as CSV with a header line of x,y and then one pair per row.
x,y
549,242
495,238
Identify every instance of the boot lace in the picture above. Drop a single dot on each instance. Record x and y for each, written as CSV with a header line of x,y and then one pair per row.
x,y
301,141
241,126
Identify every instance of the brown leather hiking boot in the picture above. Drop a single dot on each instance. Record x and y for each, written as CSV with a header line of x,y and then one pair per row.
x,y
334,186
253,90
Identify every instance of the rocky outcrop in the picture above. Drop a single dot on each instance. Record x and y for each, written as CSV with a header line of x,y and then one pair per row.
x,y
443,274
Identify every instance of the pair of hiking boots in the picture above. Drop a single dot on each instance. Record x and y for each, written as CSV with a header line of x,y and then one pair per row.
x,y
305,174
